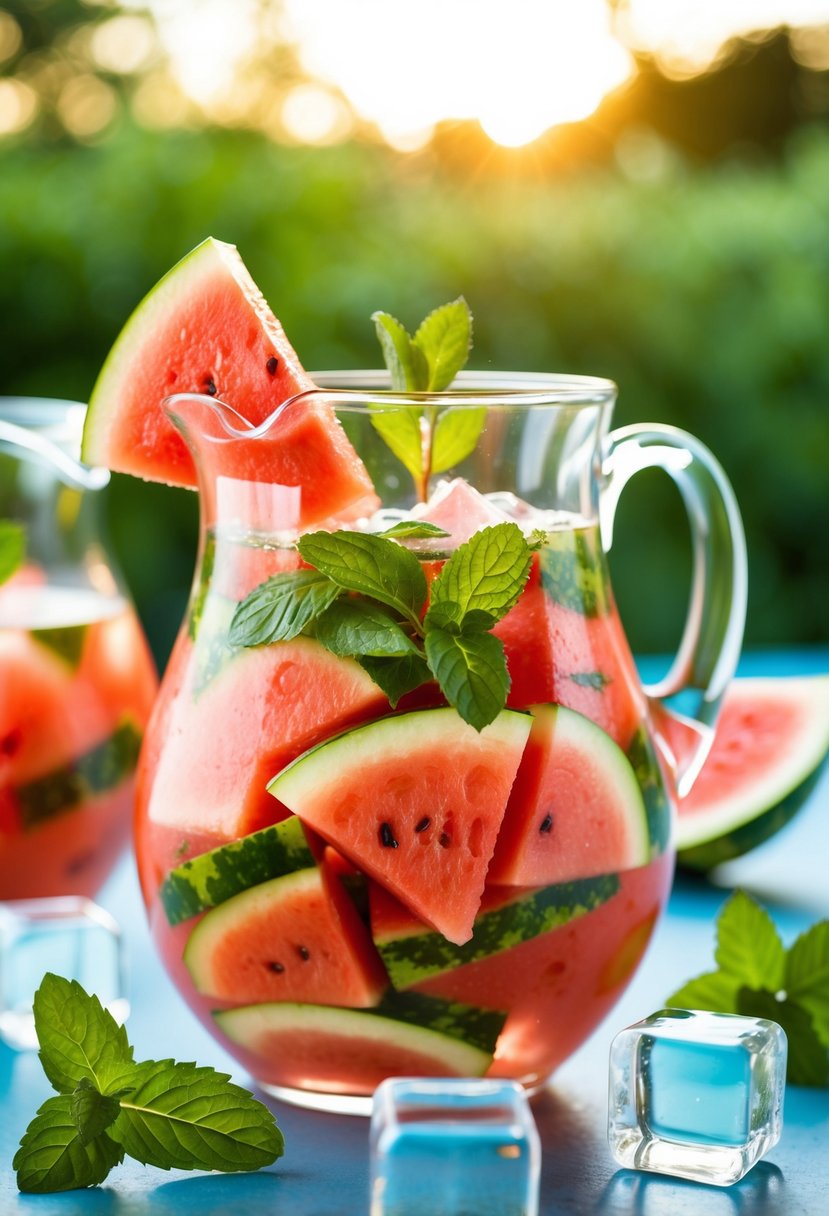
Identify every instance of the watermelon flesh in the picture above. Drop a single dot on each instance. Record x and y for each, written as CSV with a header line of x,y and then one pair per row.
x,y
575,810
770,744
415,801
294,938
206,328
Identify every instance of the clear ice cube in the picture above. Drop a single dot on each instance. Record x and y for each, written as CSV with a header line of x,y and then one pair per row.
x,y
695,1094
68,935
453,1147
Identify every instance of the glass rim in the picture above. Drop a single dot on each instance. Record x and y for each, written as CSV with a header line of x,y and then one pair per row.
x,y
50,429
472,388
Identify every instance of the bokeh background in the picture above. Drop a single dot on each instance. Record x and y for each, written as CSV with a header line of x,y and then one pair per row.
x,y
637,189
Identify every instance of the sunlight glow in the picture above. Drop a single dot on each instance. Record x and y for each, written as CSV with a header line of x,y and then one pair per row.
x,y
687,34
519,69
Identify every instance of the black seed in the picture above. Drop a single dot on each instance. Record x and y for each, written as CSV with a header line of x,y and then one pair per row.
x,y
304,953
546,824
278,968
387,839
210,386
444,840
272,365
423,825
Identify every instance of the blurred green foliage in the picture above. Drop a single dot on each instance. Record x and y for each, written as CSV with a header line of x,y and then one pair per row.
x,y
703,292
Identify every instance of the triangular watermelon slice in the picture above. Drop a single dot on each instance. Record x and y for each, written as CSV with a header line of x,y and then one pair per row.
x,y
415,801
206,328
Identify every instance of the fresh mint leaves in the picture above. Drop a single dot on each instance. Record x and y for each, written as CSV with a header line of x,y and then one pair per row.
x,y
757,976
12,548
431,439
369,603
159,1112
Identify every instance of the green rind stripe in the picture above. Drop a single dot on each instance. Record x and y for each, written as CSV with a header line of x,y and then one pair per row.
x,y
642,756
574,573
470,1023
66,641
210,879
417,956
101,768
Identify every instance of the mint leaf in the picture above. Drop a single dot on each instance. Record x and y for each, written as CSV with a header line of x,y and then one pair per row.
x,y
358,627
396,677
400,429
79,1039
406,362
806,977
485,574
12,548
748,945
445,338
457,431
92,1111
53,1157
472,673
180,1116
371,565
413,529
807,1062
715,990
281,607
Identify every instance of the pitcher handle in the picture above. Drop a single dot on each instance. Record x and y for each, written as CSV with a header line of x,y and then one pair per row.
x,y
712,636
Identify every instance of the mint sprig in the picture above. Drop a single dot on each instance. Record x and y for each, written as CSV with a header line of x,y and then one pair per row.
x,y
161,1113
432,439
758,977
371,605
12,548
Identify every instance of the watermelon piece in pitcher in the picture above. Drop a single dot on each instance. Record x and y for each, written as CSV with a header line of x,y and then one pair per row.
x,y
206,328
415,801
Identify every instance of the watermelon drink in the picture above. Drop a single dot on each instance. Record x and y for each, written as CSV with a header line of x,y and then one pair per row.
x,y
77,681
403,805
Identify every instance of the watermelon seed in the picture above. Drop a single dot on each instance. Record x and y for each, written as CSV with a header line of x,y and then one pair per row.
x,y
387,839
444,840
210,386
304,953
423,825
272,365
277,968
546,824
10,742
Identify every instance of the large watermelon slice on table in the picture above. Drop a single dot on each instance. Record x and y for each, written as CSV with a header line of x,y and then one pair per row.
x,y
206,328
415,801
770,747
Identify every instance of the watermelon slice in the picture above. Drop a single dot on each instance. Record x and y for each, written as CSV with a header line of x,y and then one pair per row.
x,y
415,801
262,709
293,938
575,810
770,747
342,1050
206,328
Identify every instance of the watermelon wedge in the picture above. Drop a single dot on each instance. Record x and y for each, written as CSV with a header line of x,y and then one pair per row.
x,y
575,810
415,801
206,328
770,747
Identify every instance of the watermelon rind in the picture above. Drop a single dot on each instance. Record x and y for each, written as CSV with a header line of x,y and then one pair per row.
x,y
101,768
772,791
470,1023
182,281
411,956
211,878
353,1028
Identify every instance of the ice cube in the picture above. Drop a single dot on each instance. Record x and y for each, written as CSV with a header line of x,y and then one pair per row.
x,y
68,935
451,1146
695,1094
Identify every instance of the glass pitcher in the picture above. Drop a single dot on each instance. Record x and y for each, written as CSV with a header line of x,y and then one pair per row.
x,y
348,875
77,680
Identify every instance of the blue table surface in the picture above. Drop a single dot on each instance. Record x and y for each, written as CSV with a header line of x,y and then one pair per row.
x,y
325,1167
